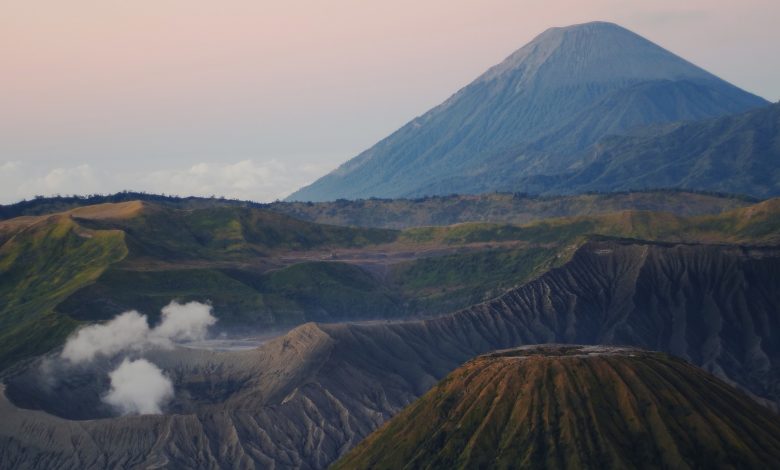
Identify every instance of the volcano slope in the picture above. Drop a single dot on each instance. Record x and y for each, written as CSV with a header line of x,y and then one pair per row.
x,y
306,398
575,407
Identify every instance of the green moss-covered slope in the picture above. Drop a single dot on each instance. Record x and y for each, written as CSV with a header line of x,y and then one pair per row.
x,y
39,268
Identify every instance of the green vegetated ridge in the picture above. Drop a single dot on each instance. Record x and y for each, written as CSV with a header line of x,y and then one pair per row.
x,y
267,296
506,207
458,280
40,267
264,269
44,205
446,283
308,291
220,233
575,407
510,208
230,257
97,261
755,224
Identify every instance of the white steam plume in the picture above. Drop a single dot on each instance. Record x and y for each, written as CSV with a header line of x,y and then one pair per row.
x,y
125,331
188,322
130,331
138,387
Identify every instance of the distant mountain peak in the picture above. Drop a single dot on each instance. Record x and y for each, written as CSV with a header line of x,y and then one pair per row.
x,y
533,114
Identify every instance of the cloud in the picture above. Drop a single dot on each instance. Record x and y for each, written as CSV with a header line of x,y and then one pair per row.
x,y
261,181
8,167
9,179
81,179
130,331
20,180
245,179
138,387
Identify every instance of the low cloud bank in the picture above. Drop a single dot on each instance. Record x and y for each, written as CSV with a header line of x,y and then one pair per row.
x,y
261,180
130,331
138,387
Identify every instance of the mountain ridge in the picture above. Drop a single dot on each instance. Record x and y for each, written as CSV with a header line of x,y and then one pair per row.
x,y
505,207
267,269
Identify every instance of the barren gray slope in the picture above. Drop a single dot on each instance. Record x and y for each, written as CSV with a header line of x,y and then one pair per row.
x,y
306,398
536,110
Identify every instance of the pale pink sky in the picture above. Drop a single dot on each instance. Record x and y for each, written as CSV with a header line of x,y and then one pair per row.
x,y
254,98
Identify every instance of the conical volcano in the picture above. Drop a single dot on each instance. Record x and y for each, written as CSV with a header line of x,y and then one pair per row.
x,y
534,114
594,407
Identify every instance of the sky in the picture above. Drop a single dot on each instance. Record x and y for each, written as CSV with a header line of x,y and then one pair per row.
x,y
252,99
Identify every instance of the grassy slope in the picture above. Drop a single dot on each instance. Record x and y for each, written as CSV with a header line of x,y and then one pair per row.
x,y
50,264
232,244
755,224
440,284
40,267
632,410
228,233
313,291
